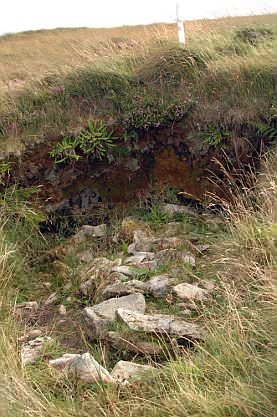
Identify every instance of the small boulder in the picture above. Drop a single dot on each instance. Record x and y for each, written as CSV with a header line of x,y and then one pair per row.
x,y
119,288
99,317
83,366
159,286
167,325
88,231
124,270
124,371
190,292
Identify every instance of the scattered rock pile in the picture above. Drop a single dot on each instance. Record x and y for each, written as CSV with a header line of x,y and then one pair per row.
x,y
123,293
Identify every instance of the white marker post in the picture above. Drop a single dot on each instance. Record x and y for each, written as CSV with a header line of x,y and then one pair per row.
x,y
180,24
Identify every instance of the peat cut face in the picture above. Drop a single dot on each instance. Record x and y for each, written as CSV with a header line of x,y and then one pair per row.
x,y
165,156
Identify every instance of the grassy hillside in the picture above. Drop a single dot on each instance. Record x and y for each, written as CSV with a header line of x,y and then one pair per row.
x,y
29,55
224,78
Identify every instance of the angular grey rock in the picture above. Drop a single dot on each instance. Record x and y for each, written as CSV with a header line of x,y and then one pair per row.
x,y
160,324
159,286
124,370
99,317
83,366
190,292
32,350
139,257
125,270
120,288
90,231
143,242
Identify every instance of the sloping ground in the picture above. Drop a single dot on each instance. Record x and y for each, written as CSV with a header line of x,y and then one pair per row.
x,y
29,55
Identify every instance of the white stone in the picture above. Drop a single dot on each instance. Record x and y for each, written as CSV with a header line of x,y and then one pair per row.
x,y
124,370
160,324
159,286
99,317
139,257
83,366
190,292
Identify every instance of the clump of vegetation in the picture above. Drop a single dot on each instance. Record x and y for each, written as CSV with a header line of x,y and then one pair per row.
x,y
254,35
214,136
95,142
170,66
146,113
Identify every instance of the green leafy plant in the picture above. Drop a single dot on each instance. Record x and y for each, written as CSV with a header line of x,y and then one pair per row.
x,y
95,141
214,136
156,216
141,274
65,150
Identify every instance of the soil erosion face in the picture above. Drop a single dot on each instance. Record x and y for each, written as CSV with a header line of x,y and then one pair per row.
x,y
160,157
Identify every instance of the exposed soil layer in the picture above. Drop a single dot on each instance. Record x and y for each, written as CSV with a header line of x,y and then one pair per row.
x,y
164,156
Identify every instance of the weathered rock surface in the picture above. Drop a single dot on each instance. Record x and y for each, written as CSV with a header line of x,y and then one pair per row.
x,y
99,317
119,288
190,292
139,257
83,366
124,270
90,231
159,286
33,349
160,324
124,370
